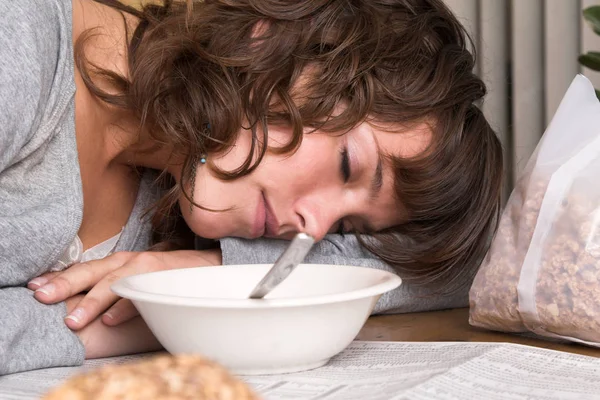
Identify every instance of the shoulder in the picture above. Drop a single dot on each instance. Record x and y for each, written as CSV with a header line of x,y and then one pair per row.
x,y
32,30
34,18
35,40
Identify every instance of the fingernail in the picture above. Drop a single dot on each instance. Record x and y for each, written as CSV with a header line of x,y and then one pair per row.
x,y
47,289
39,282
76,315
109,315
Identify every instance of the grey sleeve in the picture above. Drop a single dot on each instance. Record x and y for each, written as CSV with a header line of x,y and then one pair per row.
x,y
32,335
345,250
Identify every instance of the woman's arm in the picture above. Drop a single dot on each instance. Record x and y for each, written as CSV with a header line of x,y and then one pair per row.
x,y
34,35
34,335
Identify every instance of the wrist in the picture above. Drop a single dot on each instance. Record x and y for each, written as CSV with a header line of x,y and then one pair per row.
x,y
131,337
191,258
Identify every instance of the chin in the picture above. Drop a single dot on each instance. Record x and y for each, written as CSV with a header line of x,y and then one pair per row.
x,y
202,228
210,225
208,232
214,230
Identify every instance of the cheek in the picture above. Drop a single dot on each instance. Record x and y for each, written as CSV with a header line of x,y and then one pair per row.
x,y
290,177
315,160
389,212
235,156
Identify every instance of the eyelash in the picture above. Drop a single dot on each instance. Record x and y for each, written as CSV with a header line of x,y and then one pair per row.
x,y
346,174
340,229
345,165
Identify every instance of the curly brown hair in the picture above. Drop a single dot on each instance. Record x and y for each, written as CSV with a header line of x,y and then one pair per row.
x,y
192,63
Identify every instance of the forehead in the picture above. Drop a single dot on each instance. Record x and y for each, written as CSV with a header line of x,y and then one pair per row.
x,y
403,141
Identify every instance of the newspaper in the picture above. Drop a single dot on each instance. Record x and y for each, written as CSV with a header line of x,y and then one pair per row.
x,y
397,371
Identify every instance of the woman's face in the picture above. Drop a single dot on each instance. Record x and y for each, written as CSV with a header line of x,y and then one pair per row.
x,y
329,180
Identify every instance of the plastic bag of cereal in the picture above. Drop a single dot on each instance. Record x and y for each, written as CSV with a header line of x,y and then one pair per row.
x,y
542,273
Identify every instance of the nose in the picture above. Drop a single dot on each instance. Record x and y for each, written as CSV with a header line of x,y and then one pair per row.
x,y
317,218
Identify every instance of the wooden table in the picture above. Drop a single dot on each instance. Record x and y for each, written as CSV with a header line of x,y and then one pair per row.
x,y
451,326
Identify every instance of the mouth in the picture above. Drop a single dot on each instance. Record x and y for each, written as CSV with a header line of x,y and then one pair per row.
x,y
265,223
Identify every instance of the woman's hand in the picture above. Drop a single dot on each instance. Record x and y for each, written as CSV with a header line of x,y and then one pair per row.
x,y
100,341
130,337
97,277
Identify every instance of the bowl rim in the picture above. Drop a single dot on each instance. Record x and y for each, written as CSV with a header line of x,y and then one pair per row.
x,y
123,288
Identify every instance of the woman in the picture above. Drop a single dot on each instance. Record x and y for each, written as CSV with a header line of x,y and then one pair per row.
x,y
263,119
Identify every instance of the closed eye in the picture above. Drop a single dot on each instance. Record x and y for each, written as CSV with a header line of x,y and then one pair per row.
x,y
345,165
341,229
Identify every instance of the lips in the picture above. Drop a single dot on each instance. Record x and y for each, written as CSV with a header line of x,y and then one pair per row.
x,y
265,223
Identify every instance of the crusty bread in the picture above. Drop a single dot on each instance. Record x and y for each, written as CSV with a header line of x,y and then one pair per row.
x,y
163,377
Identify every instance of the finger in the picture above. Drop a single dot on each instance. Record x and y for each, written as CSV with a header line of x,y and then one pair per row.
x,y
41,280
78,278
122,311
72,302
100,297
96,301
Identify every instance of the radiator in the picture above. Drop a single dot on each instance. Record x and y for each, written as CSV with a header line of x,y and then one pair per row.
x,y
527,55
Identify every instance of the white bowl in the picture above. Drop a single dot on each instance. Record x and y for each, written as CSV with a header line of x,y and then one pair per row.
x,y
312,316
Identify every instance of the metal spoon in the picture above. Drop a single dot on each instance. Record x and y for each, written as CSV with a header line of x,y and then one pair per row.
x,y
285,264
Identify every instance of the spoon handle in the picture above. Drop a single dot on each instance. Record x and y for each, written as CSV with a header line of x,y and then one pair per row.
x,y
285,264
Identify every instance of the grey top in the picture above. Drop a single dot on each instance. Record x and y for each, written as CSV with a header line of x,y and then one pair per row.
x,y
41,194
40,185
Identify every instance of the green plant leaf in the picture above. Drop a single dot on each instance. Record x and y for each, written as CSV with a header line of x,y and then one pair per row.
x,y
590,60
592,15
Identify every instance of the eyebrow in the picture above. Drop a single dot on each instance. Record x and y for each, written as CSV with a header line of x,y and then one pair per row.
x,y
377,179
